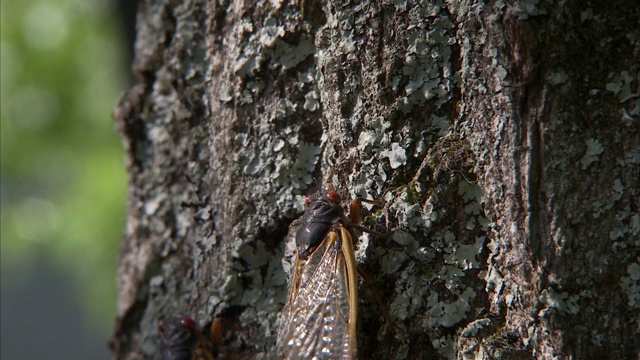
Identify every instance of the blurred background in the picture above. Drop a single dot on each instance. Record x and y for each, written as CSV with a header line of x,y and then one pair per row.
x,y
64,64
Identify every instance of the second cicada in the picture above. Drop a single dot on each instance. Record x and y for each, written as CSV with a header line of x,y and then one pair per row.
x,y
319,320
182,339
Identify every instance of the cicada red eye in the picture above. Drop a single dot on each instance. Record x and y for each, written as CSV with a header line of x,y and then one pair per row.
x,y
329,187
307,200
188,323
334,197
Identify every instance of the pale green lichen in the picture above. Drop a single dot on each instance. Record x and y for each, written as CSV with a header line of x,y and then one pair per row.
x,y
392,261
224,93
273,160
408,214
464,256
448,314
270,32
428,79
413,292
397,155
374,144
557,77
445,346
406,240
585,15
620,85
288,56
253,255
400,5
593,151
471,194
374,135
277,162
615,194
255,283
267,46
429,215
525,8
441,124
630,285
311,101
501,73
634,229
562,302
475,326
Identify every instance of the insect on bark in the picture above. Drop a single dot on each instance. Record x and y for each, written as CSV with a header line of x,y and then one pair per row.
x,y
183,340
319,320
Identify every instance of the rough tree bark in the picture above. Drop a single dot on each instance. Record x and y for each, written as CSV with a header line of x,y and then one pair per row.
x,y
502,136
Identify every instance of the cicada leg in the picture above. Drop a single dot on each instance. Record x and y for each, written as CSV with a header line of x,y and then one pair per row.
x,y
355,213
355,217
216,334
219,326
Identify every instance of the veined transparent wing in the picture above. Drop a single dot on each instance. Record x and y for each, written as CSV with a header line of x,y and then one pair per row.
x,y
319,320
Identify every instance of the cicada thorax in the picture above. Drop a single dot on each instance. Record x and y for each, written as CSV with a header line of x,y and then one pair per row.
x,y
323,211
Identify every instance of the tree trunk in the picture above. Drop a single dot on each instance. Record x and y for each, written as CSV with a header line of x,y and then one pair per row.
x,y
502,137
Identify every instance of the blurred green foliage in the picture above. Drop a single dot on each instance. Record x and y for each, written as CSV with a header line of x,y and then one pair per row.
x,y
63,188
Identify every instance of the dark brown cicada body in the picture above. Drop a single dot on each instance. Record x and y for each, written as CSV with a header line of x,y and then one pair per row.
x,y
319,320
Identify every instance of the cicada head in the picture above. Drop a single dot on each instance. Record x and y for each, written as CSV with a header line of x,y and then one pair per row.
x,y
178,337
330,194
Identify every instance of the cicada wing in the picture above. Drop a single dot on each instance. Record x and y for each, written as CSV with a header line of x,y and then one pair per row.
x,y
319,319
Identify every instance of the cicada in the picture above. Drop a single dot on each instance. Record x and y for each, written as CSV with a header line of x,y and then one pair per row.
x,y
319,320
183,340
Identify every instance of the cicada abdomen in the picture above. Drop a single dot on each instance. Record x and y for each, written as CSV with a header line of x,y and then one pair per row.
x,y
319,320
